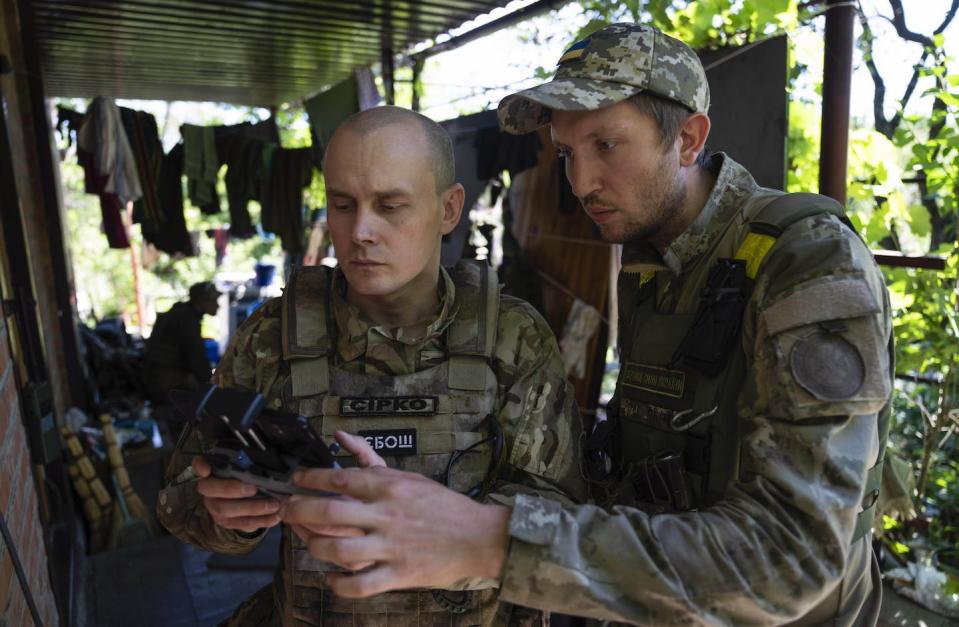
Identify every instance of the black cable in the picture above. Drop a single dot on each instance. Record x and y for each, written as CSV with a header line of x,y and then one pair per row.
x,y
18,567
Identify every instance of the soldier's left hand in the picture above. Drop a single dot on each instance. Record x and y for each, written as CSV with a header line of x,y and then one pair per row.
x,y
418,533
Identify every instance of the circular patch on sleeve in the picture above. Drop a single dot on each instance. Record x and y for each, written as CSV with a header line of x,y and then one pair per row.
x,y
827,366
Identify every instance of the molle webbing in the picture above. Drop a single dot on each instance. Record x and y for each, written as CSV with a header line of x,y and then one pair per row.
x,y
471,336
306,338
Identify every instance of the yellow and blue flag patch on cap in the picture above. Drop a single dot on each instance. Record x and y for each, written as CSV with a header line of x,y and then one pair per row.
x,y
574,52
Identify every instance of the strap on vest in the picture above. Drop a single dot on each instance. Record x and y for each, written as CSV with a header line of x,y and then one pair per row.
x,y
774,217
305,329
867,516
471,336
784,211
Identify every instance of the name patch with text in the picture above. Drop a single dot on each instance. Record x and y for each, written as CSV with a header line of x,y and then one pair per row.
x,y
654,379
389,406
392,441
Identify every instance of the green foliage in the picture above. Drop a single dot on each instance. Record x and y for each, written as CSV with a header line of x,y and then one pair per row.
x,y
926,319
700,23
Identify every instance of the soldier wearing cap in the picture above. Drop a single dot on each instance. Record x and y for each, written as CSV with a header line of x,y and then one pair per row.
x,y
446,379
175,356
736,477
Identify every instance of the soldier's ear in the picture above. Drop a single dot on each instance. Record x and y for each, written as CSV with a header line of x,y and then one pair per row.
x,y
452,200
692,138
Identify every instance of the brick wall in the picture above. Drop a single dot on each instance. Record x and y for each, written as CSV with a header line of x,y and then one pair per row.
x,y
19,506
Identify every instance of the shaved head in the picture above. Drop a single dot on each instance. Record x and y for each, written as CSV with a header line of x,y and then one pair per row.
x,y
434,136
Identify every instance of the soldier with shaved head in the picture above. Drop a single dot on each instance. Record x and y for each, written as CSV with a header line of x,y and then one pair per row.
x,y
431,369
737,474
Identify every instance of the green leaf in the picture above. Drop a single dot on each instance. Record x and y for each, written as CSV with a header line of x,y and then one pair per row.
x,y
948,98
657,9
919,221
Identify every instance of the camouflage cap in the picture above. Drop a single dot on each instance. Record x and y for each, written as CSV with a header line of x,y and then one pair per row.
x,y
610,65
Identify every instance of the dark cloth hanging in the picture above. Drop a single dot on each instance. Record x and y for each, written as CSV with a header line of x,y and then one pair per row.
x,y
497,151
245,172
265,131
290,170
241,148
327,109
113,227
200,166
144,137
110,206
171,236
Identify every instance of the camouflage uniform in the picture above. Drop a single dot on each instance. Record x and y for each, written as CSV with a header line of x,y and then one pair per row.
x,y
529,399
764,518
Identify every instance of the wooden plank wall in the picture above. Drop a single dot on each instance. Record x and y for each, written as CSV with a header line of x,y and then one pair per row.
x,y
566,248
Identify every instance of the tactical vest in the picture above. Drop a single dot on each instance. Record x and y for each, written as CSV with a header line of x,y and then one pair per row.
x,y
673,443
438,422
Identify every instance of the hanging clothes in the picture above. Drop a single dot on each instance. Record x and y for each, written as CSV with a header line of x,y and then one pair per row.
x,y
171,235
367,94
109,166
281,201
240,148
245,172
144,137
221,239
200,166
328,109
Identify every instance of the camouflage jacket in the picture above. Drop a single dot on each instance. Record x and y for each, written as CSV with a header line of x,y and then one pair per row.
x,y
534,404
777,546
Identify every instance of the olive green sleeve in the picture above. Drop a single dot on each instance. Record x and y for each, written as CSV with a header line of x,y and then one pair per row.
x,y
180,508
779,540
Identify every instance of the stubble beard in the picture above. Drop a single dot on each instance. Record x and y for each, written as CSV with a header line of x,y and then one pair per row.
x,y
663,205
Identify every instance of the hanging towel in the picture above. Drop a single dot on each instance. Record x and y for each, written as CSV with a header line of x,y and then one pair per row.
x,y
200,166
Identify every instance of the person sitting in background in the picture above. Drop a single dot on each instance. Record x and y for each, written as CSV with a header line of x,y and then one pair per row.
x,y
175,356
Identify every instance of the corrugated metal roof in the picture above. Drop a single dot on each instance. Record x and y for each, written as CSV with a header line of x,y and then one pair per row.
x,y
237,51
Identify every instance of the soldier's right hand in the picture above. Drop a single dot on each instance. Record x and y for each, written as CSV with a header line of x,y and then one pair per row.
x,y
234,504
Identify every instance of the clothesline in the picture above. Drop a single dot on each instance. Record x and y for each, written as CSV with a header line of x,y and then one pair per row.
x,y
124,161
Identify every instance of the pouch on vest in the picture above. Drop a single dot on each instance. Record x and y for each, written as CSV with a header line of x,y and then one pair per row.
x,y
718,319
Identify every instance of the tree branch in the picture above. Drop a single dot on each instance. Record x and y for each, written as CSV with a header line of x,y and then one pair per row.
x,y
910,88
879,91
899,21
951,14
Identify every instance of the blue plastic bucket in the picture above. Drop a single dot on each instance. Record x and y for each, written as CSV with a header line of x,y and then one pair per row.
x,y
212,350
264,274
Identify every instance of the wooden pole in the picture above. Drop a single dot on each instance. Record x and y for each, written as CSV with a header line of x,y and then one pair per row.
x,y
836,84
